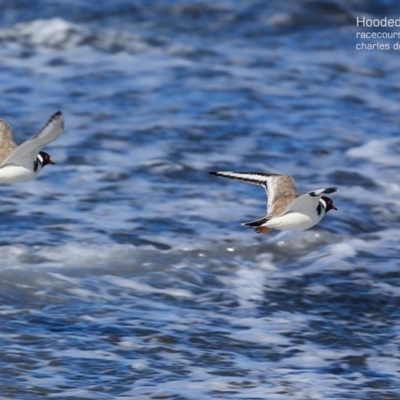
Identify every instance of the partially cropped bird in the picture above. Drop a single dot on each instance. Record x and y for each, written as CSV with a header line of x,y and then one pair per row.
x,y
286,209
22,163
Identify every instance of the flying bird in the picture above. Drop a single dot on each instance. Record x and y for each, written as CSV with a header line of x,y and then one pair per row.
x,y
22,163
286,209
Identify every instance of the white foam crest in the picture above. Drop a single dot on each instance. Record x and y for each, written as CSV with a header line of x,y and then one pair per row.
x,y
269,330
247,284
314,357
385,364
391,235
76,255
92,354
383,287
336,256
57,33
54,32
140,287
379,151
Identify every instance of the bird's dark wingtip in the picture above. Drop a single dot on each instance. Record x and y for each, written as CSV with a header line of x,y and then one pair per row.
x,y
331,190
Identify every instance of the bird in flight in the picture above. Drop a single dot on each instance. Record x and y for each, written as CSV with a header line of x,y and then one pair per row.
x,y
286,209
22,163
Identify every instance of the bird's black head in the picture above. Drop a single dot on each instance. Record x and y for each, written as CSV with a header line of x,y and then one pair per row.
x,y
329,203
46,158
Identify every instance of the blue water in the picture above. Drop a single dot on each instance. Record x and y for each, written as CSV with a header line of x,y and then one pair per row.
x,y
125,272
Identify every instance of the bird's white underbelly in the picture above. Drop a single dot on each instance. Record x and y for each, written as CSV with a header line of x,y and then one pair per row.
x,y
293,221
15,174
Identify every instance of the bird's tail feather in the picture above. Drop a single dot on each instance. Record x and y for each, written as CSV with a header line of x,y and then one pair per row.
x,y
256,223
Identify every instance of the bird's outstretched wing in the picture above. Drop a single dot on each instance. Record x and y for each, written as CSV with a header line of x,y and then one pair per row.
x,y
280,189
7,142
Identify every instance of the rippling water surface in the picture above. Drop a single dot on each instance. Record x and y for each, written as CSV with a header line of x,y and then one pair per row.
x,y
125,272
